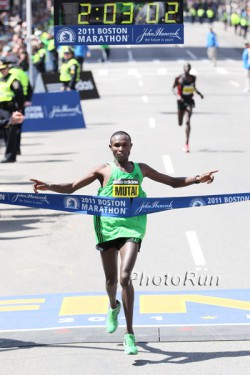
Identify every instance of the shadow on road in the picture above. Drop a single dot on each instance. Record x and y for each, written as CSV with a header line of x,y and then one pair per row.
x,y
18,223
180,358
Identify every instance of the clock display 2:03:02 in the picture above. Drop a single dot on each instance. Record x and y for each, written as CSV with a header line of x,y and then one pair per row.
x,y
129,13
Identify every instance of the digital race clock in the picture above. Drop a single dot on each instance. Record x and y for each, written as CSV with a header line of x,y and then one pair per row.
x,y
107,22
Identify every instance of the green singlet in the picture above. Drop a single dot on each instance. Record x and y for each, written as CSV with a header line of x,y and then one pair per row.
x,y
123,185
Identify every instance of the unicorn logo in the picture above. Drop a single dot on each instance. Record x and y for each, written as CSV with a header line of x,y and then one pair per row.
x,y
66,35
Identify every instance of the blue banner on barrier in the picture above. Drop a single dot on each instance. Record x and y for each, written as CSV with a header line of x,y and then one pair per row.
x,y
119,207
54,111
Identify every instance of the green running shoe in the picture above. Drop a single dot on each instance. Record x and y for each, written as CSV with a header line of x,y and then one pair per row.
x,y
112,321
129,344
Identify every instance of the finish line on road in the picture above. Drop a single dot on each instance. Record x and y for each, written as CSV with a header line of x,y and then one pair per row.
x,y
165,316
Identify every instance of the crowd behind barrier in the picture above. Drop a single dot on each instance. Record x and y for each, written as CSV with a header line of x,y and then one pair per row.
x,y
47,58
234,13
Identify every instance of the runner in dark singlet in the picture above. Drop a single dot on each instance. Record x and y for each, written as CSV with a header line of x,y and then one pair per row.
x,y
184,88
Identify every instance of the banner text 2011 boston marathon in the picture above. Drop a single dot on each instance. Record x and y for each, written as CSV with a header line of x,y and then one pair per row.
x,y
119,207
104,35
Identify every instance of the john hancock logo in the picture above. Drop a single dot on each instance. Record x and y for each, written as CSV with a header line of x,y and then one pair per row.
x,y
66,35
154,35
71,203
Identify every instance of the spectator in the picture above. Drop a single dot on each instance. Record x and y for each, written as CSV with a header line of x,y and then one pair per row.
x,y
246,64
212,45
105,52
52,54
81,52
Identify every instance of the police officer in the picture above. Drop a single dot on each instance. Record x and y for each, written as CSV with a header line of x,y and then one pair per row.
x,y
11,99
244,24
193,13
201,14
70,70
235,21
210,14
23,78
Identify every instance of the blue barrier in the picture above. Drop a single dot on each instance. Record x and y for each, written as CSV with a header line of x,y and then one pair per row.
x,y
54,111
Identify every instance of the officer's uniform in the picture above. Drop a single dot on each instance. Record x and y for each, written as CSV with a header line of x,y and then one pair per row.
x,y
70,72
11,99
200,14
23,78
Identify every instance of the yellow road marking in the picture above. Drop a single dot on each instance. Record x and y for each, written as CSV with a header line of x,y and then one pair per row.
x,y
172,304
21,301
21,304
84,305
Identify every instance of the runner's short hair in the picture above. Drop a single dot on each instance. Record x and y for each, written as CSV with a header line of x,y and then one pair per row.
x,y
120,132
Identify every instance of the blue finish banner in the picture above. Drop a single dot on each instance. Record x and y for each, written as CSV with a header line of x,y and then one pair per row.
x,y
119,34
54,111
118,207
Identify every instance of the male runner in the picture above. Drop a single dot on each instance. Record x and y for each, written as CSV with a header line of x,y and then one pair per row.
x,y
184,88
115,234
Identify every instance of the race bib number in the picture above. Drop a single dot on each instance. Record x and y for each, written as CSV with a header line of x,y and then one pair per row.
x,y
125,188
187,90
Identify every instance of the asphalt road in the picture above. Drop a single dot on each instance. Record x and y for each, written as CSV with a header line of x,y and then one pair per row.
x,y
45,252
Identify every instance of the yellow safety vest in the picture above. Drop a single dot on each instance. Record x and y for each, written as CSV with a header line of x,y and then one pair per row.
x,y
235,19
243,22
200,12
65,75
22,77
51,45
193,11
6,93
41,52
36,58
210,13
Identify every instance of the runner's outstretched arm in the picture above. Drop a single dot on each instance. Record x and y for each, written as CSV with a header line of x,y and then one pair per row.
x,y
69,188
176,182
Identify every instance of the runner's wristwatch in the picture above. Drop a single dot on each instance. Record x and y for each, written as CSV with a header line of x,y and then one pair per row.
x,y
197,181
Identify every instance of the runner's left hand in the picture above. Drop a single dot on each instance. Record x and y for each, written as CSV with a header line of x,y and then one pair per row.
x,y
207,177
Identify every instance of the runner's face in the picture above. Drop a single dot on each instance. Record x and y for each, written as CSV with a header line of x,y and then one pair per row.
x,y
187,68
121,146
